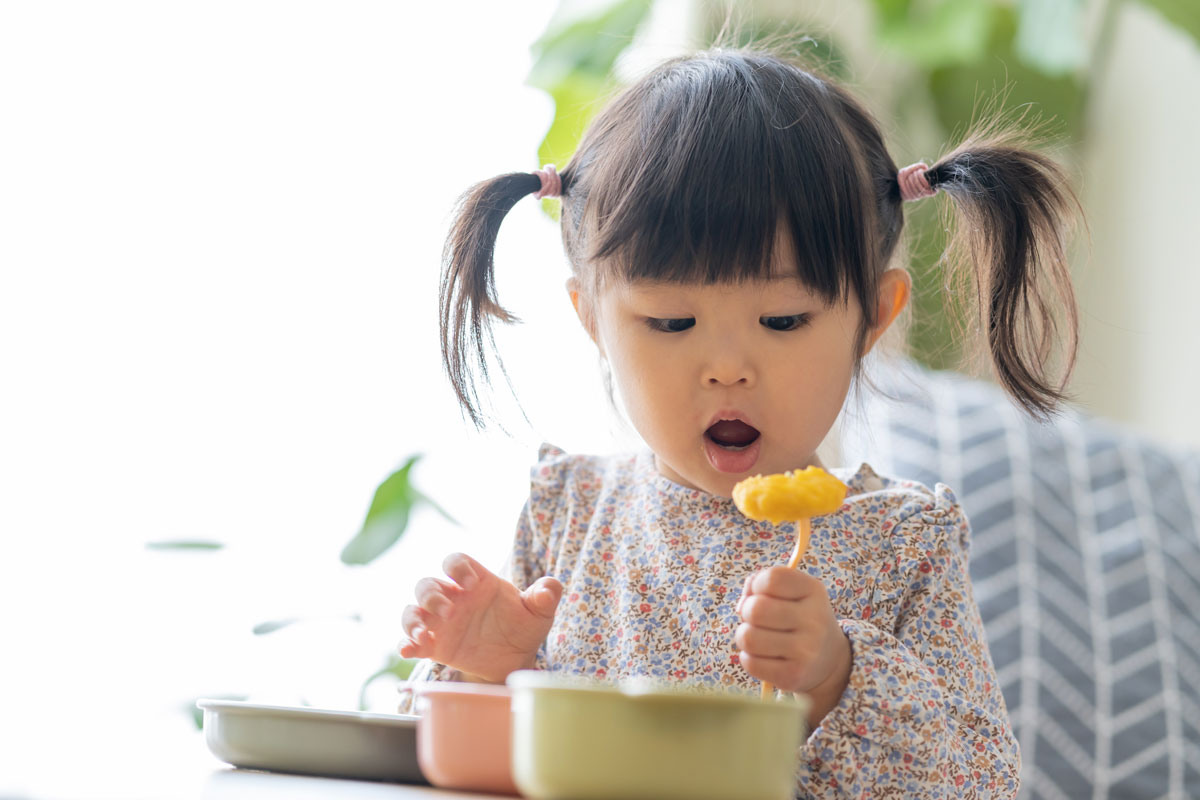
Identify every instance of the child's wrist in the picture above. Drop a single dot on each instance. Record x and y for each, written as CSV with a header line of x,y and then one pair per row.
x,y
468,678
501,677
825,696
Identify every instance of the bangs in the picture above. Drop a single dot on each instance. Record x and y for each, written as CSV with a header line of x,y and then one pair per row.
x,y
691,174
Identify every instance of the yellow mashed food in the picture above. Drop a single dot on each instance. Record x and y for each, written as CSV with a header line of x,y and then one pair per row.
x,y
790,495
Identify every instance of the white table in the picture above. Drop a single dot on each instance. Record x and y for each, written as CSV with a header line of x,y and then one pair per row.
x,y
70,760
237,784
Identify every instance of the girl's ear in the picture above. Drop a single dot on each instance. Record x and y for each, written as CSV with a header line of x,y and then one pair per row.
x,y
583,308
895,288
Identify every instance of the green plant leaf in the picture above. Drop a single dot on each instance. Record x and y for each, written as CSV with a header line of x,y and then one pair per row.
x,y
951,32
958,91
1050,36
891,12
1183,14
961,95
401,668
420,498
377,536
184,544
775,28
573,63
270,626
932,339
577,98
387,518
586,46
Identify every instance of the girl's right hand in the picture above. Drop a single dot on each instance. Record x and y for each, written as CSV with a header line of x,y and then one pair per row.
x,y
477,622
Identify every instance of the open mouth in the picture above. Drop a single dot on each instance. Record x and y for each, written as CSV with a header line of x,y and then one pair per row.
x,y
732,446
732,434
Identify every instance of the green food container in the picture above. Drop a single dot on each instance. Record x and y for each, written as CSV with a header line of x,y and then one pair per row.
x,y
579,740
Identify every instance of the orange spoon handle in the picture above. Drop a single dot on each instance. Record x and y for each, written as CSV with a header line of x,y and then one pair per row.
x,y
803,531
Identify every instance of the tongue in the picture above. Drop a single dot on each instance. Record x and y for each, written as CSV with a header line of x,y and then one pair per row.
x,y
732,433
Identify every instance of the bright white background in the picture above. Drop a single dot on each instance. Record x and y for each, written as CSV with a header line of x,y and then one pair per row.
x,y
220,230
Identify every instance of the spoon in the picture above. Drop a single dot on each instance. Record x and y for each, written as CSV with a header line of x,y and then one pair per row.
x,y
796,495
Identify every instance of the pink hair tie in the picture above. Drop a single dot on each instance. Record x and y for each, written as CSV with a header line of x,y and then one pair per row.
x,y
551,183
913,183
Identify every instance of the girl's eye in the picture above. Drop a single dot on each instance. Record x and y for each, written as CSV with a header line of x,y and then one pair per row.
x,y
671,325
788,323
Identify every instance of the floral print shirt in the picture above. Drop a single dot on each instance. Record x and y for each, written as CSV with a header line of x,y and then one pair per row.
x,y
653,571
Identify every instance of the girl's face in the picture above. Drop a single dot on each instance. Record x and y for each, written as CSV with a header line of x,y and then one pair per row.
x,y
731,380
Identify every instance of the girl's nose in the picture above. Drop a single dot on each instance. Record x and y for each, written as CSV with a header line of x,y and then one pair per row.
x,y
728,366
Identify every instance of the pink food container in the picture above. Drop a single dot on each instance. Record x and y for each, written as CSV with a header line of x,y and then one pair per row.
x,y
464,736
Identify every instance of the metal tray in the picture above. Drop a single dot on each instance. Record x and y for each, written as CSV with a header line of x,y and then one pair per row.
x,y
312,741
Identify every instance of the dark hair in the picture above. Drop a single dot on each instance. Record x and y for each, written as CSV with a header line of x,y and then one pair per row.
x,y
686,175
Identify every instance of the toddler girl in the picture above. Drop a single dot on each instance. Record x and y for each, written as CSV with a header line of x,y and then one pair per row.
x,y
731,221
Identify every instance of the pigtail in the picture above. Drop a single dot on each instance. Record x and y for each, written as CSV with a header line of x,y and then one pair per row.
x,y
467,295
1014,211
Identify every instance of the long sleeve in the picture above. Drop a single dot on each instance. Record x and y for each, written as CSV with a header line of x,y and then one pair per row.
x,y
922,715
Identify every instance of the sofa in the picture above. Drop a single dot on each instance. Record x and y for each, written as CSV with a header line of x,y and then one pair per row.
x,y
1085,559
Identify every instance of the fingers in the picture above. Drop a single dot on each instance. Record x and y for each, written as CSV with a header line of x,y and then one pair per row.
x,y
763,643
745,593
464,570
764,591
437,600
764,611
785,674
785,584
542,597
434,606
785,659
433,596
409,649
415,621
784,634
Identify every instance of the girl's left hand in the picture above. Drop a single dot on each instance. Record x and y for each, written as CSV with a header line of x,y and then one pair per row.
x,y
790,637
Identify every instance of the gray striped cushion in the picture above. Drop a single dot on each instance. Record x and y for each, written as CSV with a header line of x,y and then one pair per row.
x,y
1086,565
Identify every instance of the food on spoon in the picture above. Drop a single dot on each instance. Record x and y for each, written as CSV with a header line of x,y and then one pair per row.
x,y
789,496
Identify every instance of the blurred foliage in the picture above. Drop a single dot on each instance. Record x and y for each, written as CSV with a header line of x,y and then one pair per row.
x,y
573,63
387,518
270,626
943,35
954,61
397,667
184,544
1184,14
386,521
